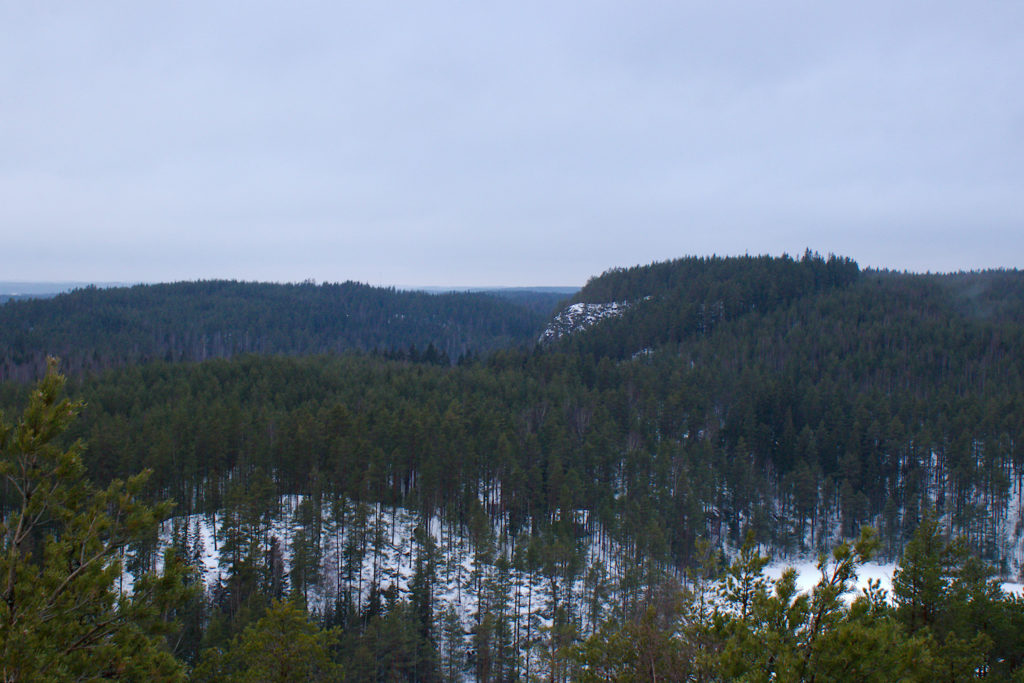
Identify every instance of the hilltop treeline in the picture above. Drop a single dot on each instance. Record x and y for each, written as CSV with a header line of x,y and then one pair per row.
x,y
94,329
741,283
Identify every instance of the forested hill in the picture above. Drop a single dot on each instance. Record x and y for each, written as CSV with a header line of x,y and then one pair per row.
x,y
789,401
94,329
799,398
858,396
796,398
667,302
676,302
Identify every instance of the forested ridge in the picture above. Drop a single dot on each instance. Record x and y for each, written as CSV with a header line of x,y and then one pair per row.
x,y
766,403
865,399
93,329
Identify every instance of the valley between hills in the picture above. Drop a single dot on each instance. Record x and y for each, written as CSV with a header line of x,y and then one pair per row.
x,y
527,484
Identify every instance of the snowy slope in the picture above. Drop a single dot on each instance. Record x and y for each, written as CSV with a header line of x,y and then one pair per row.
x,y
464,577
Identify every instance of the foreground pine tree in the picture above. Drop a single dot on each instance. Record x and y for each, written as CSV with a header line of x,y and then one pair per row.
x,y
281,647
62,615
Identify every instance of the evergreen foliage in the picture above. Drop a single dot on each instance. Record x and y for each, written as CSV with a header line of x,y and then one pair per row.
x,y
282,647
94,329
767,630
62,616
754,403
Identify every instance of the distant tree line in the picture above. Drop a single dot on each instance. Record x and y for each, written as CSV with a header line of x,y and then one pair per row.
x,y
94,329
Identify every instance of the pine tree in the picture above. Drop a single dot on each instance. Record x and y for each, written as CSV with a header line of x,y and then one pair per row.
x,y
922,580
421,588
281,647
306,552
61,616
453,645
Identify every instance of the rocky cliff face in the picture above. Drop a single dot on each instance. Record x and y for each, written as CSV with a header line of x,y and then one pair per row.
x,y
579,317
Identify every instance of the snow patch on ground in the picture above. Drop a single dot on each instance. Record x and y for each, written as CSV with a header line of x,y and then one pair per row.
x,y
1012,531
373,547
808,576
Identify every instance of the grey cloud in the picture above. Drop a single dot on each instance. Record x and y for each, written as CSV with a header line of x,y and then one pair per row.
x,y
460,143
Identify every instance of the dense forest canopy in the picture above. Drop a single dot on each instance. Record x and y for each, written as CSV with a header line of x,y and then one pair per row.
x,y
798,397
749,280
786,402
93,329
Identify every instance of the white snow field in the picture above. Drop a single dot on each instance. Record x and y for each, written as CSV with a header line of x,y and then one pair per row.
x,y
808,576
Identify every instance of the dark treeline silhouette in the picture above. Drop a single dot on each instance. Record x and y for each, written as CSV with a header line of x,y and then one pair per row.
x,y
93,329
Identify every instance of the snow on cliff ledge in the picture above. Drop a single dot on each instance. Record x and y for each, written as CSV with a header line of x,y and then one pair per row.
x,y
579,317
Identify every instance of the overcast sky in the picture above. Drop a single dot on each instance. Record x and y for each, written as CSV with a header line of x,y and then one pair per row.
x,y
494,143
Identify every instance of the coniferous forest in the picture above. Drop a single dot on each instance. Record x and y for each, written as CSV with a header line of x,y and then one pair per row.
x,y
338,482
94,329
